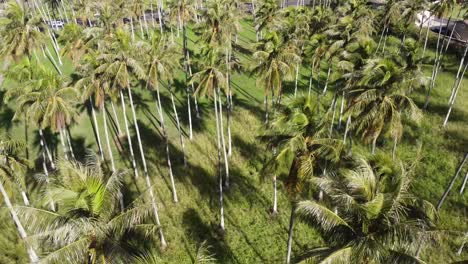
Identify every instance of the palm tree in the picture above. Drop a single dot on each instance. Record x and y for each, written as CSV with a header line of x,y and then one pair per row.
x,y
369,215
20,34
119,64
209,81
274,62
379,100
88,226
300,136
161,65
10,163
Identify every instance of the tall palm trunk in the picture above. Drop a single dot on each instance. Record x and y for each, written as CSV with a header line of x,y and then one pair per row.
x,y
296,80
160,17
66,131
311,78
229,100
44,143
333,106
166,139
62,142
116,117
223,141
145,170
220,174
186,69
425,42
96,126
106,133
195,101
46,172
131,28
290,234
341,109
275,197
129,138
326,82
33,258
181,136
395,142
265,101
374,143
465,180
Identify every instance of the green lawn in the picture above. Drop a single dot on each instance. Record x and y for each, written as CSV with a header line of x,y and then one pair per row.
x,y
253,235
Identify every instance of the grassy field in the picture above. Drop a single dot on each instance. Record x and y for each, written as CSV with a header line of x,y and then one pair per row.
x,y
253,235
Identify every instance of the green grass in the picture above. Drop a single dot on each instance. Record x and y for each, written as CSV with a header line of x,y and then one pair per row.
x,y
253,235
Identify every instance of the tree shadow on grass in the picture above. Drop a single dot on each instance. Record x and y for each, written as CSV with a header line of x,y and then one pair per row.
x,y
200,231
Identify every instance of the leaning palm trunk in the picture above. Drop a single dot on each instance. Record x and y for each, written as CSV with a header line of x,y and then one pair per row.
x,y
181,137
265,101
33,258
465,180
223,141
447,191
290,235
220,174
129,138
166,139
333,107
195,101
145,170
454,97
458,74
374,143
96,126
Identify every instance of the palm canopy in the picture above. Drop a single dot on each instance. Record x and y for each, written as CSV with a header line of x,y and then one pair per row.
x,y
300,137
88,226
12,164
119,62
212,75
19,31
274,62
160,59
42,94
379,100
369,214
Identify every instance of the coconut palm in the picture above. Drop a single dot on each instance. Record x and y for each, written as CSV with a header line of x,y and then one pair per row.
x,y
274,63
161,65
300,136
19,32
119,64
209,82
10,166
379,101
369,214
88,226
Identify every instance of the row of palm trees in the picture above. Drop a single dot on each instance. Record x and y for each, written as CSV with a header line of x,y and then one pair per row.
x,y
371,85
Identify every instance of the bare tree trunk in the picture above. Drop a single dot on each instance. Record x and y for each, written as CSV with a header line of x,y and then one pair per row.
x,y
348,123
311,79
297,77
66,132
374,142
341,110
223,141
46,172
220,185
49,156
265,100
326,82
98,136
444,196
290,234
166,139
181,137
462,189
452,103
145,169
129,137
116,117
275,196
